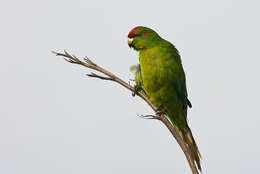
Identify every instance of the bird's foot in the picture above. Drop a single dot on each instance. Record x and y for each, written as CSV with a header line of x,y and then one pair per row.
x,y
160,111
137,88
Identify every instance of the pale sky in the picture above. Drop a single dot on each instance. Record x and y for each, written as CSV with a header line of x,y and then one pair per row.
x,y
54,119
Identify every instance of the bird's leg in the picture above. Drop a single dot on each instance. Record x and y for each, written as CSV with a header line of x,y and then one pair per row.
x,y
137,88
160,111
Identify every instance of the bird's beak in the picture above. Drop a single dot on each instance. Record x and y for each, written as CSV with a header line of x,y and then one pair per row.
x,y
130,41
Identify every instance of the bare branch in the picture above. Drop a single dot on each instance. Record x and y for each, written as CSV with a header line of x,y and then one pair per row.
x,y
90,64
89,61
99,77
157,117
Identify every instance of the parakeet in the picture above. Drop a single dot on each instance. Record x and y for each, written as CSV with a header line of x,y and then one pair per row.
x,y
163,80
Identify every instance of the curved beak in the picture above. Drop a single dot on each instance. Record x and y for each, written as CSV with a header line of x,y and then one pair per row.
x,y
130,42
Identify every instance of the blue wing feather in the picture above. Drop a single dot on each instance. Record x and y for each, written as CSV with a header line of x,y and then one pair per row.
x,y
180,90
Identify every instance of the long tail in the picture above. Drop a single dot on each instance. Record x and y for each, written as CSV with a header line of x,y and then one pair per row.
x,y
188,138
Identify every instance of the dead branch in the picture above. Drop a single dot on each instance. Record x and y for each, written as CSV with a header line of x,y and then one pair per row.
x,y
111,77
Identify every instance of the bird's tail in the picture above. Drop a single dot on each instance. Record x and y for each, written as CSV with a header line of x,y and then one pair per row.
x,y
188,138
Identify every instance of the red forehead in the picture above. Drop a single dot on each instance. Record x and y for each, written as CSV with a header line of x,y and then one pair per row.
x,y
132,33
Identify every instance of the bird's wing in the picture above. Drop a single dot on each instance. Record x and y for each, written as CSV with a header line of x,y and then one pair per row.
x,y
180,88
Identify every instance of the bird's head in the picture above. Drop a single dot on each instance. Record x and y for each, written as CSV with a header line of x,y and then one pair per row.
x,y
141,38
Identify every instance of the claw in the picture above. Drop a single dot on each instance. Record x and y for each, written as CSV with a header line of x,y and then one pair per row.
x,y
160,111
137,88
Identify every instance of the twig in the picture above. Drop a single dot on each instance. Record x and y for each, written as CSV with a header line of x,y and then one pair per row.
x,y
89,64
99,77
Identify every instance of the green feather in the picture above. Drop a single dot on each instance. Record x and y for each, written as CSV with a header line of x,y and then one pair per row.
x,y
137,70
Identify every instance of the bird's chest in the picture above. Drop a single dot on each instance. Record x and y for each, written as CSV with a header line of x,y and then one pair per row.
x,y
154,72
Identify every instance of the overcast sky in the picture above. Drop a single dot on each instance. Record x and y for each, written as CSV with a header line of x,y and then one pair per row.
x,y
54,119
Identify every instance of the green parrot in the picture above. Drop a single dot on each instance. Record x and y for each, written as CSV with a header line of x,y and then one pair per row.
x,y
163,79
